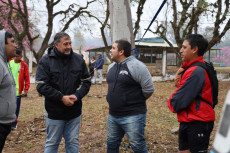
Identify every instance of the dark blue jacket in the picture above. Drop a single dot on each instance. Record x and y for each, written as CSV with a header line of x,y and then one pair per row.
x,y
58,75
99,63
129,85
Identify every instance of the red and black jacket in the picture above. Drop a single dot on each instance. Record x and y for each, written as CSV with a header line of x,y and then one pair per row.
x,y
188,100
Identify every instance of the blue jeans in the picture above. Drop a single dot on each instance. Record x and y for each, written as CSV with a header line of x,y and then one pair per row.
x,y
14,124
69,129
96,75
133,126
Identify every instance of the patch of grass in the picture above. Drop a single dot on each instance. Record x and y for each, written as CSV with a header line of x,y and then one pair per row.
x,y
92,137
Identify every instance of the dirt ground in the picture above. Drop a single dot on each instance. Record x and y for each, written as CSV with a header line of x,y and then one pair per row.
x,y
30,135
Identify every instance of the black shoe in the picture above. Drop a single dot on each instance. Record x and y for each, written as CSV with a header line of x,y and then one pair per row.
x,y
99,84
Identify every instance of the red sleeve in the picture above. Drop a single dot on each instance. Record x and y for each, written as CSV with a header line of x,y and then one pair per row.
x,y
27,78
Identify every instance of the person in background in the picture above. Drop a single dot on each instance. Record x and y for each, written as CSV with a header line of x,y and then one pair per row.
x,y
98,68
129,86
63,79
91,66
192,100
86,63
7,86
21,76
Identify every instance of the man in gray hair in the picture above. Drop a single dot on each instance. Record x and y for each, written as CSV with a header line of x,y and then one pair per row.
x,y
63,79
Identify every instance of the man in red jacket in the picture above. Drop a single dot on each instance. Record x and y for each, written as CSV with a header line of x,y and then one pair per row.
x,y
21,76
192,99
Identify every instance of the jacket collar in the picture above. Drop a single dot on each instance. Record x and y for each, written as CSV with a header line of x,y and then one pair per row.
x,y
52,51
199,59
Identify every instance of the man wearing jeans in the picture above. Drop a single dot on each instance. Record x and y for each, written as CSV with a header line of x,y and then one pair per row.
x,y
98,68
63,79
129,86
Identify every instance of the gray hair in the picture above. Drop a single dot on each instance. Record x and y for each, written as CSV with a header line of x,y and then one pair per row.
x,y
59,36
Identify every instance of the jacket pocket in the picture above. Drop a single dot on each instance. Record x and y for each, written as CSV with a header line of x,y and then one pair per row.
x,y
54,76
75,75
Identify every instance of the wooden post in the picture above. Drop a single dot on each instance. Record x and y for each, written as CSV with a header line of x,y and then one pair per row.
x,y
164,64
121,21
30,62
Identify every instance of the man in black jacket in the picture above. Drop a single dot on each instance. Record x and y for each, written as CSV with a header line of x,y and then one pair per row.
x,y
63,79
129,86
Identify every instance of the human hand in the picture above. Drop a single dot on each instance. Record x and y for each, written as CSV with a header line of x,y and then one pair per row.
x,y
25,92
67,100
73,97
178,75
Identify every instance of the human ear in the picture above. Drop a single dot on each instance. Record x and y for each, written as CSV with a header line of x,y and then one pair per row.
x,y
195,49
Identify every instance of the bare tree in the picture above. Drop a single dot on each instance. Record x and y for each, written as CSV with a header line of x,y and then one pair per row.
x,y
70,14
187,20
18,21
105,24
139,12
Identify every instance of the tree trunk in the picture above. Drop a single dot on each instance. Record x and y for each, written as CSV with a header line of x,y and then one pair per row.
x,y
121,21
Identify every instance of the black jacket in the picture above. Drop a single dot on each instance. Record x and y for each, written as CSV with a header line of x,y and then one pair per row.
x,y
58,75
129,85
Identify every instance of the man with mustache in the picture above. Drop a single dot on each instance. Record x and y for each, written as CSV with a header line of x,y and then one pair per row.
x,y
63,79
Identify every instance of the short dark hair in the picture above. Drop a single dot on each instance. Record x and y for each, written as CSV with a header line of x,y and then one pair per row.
x,y
59,36
199,41
8,35
124,45
18,51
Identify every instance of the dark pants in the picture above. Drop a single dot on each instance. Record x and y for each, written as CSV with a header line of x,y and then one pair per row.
x,y
4,131
14,124
195,136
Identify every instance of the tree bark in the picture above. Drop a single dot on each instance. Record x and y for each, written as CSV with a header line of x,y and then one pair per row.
x,y
186,21
121,21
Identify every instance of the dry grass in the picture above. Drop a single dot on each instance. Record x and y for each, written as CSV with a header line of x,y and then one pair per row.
x,y
30,135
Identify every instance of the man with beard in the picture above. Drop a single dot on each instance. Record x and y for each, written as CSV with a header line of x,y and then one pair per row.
x,y
129,86
63,79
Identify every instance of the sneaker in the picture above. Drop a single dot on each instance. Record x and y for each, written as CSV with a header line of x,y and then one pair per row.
x,y
13,127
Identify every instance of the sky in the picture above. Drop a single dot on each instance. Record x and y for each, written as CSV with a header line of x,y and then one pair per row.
x,y
150,9
40,17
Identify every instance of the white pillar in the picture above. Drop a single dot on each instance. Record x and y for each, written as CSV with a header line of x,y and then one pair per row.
x,y
121,21
30,62
164,64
